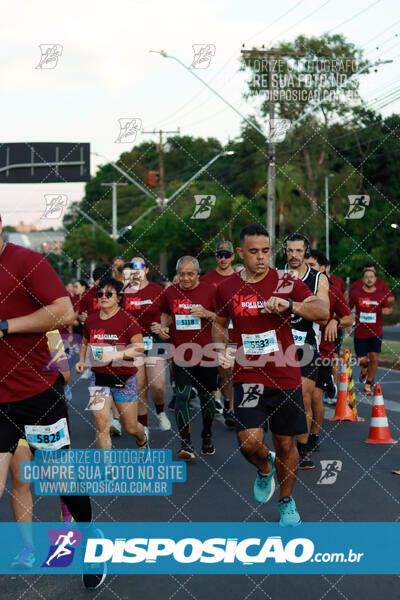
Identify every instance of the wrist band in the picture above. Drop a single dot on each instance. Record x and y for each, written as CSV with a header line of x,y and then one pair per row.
x,y
290,309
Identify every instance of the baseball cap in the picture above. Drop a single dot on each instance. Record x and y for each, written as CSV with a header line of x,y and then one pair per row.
x,y
224,246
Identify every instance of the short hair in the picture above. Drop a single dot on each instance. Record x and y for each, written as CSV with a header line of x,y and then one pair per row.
x,y
253,229
319,257
102,272
297,237
186,259
117,285
83,283
118,258
369,266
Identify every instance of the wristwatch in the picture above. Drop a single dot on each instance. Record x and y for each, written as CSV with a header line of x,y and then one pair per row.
x,y
290,307
4,326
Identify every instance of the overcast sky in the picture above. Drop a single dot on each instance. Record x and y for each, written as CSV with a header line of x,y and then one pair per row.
x,y
106,71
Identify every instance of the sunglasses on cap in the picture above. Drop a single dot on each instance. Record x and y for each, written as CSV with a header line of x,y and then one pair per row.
x,y
224,254
107,294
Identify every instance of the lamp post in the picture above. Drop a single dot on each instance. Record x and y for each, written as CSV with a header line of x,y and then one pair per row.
x,y
327,213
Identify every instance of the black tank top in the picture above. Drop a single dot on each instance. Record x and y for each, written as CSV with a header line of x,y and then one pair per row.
x,y
303,331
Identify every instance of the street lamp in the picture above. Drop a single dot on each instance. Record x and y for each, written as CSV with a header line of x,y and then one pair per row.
x,y
394,226
327,213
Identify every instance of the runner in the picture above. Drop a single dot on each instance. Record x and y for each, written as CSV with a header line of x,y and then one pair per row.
x,y
141,299
187,313
224,255
339,284
117,268
115,339
380,284
34,301
340,317
371,303
266,375
296,249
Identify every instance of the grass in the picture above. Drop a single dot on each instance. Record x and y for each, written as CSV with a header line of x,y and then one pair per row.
x,y
390,349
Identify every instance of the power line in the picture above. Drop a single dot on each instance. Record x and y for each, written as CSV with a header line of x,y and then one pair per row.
x,y
354,16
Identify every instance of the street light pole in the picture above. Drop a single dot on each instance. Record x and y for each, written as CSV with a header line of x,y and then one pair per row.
x,y
327,213
114,185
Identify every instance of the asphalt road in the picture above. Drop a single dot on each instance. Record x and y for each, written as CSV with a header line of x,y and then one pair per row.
x,y
219,488
392,333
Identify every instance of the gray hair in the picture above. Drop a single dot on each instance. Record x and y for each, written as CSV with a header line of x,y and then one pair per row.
x,y
187,259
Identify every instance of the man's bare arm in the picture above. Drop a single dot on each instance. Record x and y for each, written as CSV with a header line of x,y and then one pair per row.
x,y
57,314
220,330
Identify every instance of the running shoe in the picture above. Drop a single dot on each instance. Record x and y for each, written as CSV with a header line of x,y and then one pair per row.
x,y
306,463
363,375
367,389
67,393
163,422
207,447
25,557
86,374
219,409
115,426
65,516
331,388
289,514
186,452
145,445
264,485
229,419
94,574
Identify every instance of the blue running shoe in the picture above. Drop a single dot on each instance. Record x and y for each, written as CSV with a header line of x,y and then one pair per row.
x,y
289,515
25,557
264,485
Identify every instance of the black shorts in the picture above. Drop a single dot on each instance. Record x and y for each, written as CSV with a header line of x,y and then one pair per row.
x,y
158,349
364,345
45,408
324,374
204,379
338,341
255,403
307,356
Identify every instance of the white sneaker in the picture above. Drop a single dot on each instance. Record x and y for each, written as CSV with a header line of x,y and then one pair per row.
x,y
115,427
67,393
147,432
163,422
86,374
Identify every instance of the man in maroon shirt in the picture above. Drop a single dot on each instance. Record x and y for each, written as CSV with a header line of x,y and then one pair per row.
x,y
380,284
33,301
266,375
371,303
187,311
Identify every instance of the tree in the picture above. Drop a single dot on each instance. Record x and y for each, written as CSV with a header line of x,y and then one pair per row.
x,y
91,244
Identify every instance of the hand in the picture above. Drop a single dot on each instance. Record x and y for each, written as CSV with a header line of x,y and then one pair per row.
x,y
155,328
199,311
330,334
164,333
225,360
107,357
83,316
80,367
275,305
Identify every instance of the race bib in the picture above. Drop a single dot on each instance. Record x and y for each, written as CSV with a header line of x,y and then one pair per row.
x,y
187,322
260,343
148,342
98,350
48,437
299,337
367,317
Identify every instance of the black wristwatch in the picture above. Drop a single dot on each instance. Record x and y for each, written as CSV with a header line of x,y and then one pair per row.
x,y
338,321
4,326
290,309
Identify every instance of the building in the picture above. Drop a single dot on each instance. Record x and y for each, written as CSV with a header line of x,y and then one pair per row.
x,y
41,241
22,228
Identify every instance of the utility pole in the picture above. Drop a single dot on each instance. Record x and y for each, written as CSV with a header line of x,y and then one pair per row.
x,y
114,185
161,181
268,58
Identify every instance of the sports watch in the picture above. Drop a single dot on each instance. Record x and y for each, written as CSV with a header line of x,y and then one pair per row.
x,y
4,326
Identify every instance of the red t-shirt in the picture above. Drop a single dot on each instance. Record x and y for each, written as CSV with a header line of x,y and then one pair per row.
x,y
337,306
214,278
28,282
338,283
262,339
89,302
369,320
144,305
380,285
75,303
185,328
108,334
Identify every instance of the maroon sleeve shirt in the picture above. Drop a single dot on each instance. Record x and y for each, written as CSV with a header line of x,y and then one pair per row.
x,y
144,305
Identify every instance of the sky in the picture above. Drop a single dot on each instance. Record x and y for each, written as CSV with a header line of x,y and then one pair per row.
x,y
106,72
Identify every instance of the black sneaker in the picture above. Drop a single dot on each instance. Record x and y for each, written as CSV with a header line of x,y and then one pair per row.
x,y
331,389
186,452
207,447
94,574
229,419
306,463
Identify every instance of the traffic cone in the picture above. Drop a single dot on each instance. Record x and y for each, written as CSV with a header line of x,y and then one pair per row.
x,y
379,432
343,411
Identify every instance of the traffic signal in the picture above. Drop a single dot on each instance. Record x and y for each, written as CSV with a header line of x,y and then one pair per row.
x,y
151,179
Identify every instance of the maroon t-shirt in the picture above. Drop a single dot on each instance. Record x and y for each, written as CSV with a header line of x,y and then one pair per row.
x,y
185,328
89,302
337,306
115,332
214,278
28,282
263,339
338,283
144,305
380,285
369,320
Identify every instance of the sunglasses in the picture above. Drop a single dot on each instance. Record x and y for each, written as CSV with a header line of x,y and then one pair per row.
x,y
107,294
224,254
138,265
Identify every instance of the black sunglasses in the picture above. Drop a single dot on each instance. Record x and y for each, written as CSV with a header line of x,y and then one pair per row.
x,y
224,254
107,294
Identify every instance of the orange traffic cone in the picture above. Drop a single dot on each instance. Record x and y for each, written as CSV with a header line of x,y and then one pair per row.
x,y
343,411
379,432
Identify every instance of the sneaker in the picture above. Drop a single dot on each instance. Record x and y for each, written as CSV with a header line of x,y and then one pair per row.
x,y
65,516
145,445
94,574
186,452
331,388
163,422
86,374
207,447
67,393
329,401
229,417
363,375
115,426
306,463
25,557
219,409
289,515
367,389
146,432
264,485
